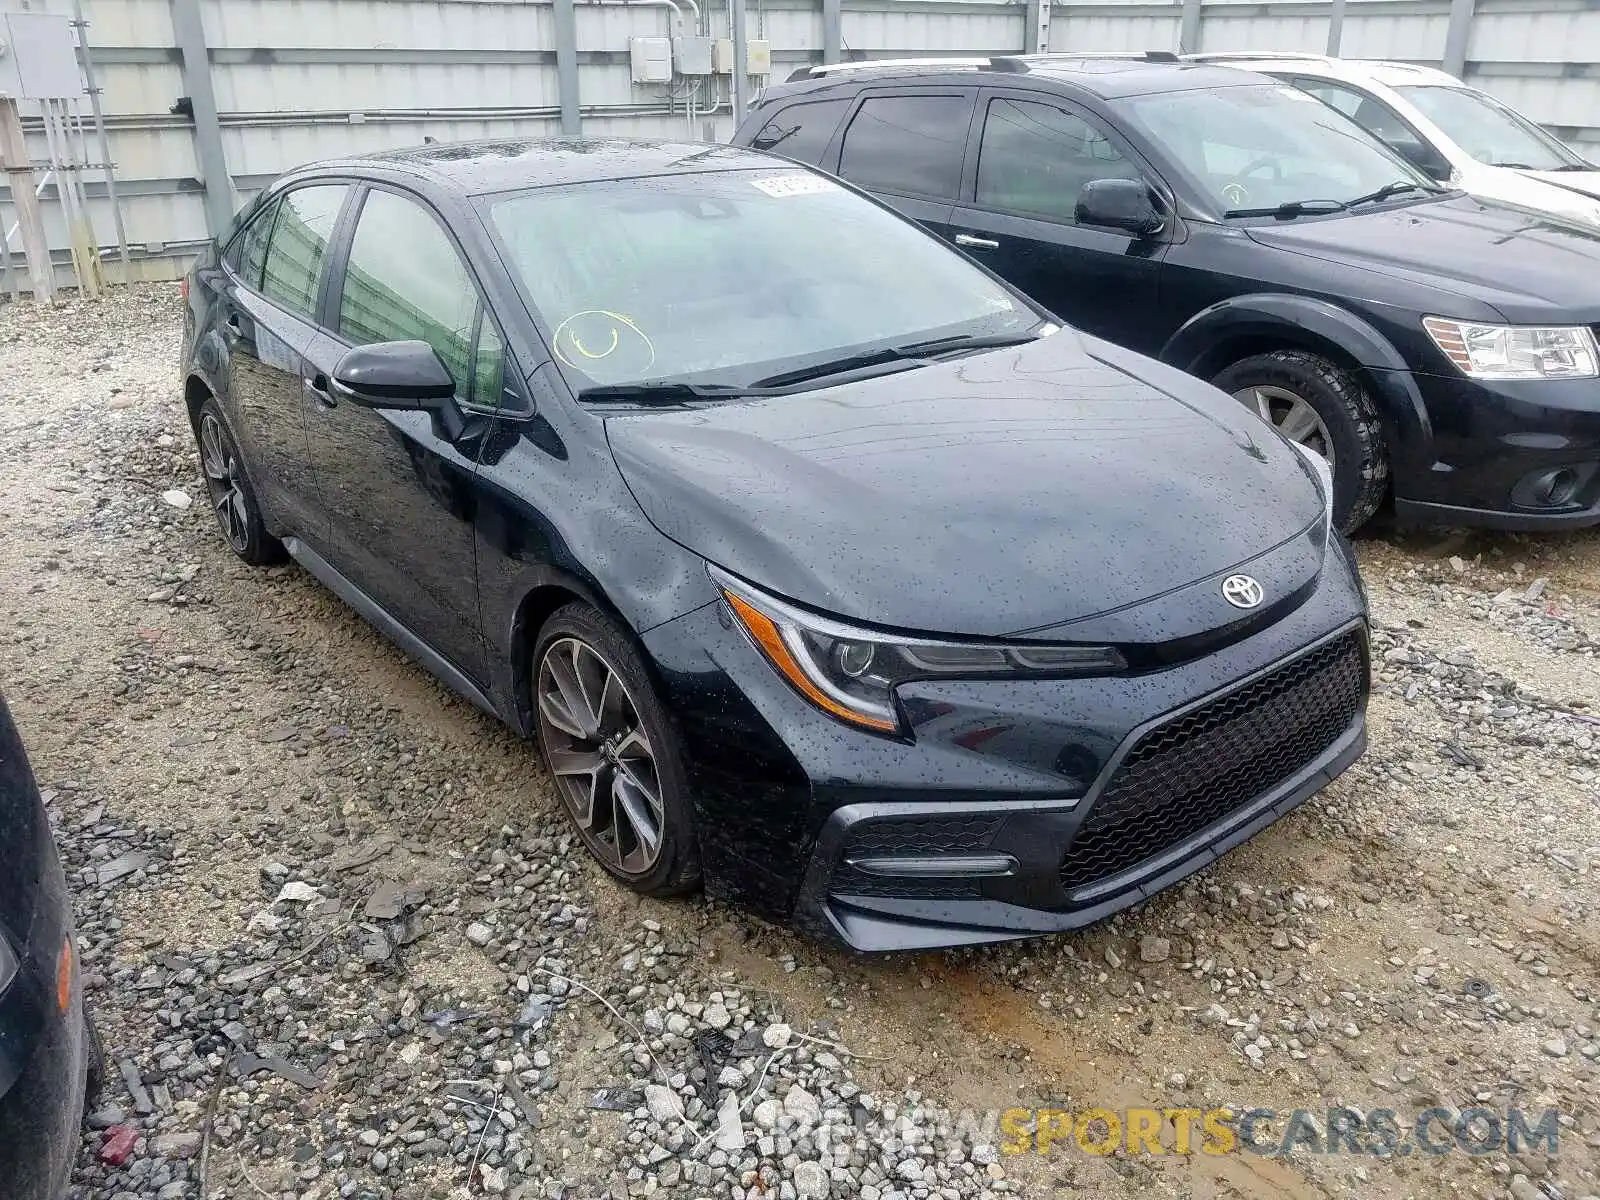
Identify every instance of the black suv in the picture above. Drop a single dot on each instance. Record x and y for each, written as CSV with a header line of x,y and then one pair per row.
x,y
1235,227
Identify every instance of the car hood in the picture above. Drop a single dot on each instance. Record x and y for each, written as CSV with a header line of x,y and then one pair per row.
x,y
993,494
1529,266
1585,183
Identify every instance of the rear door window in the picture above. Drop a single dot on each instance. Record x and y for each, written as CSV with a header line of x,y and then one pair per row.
x,y
802,131
300,235
908,144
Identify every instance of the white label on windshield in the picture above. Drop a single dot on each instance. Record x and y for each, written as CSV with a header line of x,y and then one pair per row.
x,y
793,185
1295,93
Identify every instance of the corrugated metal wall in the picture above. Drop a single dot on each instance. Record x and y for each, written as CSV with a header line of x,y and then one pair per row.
x,y
294,80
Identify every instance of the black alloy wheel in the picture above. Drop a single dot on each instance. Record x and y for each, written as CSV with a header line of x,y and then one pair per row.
x,y
233,500
612,754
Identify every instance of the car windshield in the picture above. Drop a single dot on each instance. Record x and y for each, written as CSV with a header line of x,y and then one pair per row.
x,y
1489,131
726,278
1255,149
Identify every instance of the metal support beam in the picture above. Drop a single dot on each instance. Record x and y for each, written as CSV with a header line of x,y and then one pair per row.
x,y
1036,39
832,31
30,220
1335,27
86,59
566,29
190,32
741,58
1457,35
1189,31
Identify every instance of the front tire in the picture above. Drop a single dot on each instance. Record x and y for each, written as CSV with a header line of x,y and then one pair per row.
x,y
612,753
1322,406
233,498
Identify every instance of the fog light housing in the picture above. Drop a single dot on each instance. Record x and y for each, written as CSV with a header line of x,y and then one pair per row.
x,y
1553,487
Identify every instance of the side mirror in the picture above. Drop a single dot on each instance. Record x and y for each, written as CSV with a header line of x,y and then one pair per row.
x,y
1119,204
393,375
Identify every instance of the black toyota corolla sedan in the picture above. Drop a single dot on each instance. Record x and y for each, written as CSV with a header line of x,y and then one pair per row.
x,y
44,1039
821,564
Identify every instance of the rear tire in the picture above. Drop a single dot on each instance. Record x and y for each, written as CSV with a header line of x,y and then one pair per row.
x,y
1346,422
613,753
230,492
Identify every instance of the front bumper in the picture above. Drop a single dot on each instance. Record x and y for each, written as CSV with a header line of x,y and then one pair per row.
x,y
1497,448
1000,775
907,876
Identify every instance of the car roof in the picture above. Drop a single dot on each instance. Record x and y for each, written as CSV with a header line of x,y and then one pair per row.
x,y
1107,75
1354,69
507,165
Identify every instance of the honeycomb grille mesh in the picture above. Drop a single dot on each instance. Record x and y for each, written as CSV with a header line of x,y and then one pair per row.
x,y
1195,770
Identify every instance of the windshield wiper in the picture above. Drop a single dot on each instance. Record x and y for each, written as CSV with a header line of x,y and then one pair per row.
x,y
909,353
1393,189
966,341
663,392
1290,209
835,366
1574,167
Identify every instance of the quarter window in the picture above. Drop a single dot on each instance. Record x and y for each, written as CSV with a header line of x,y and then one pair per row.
x,y
248,254
908,144
1036,159
488,367
305,221
406,282
802,131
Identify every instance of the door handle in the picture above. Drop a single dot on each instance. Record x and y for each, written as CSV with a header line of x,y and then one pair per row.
x,y
317,388
972,242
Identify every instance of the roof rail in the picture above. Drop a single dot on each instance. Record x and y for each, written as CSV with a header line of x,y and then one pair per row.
x,y
1254,56
820,70
1126,55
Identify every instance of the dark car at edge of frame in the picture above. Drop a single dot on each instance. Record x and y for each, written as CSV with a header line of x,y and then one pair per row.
x,y
822,566
47,1050
1439,350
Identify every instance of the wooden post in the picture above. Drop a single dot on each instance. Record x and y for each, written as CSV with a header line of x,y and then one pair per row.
x,y
30,221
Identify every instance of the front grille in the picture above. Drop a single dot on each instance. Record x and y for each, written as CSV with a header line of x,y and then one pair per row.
x,y
912,835
1189,774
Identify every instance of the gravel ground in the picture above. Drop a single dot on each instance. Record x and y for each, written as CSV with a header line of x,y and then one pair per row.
x,y
340,943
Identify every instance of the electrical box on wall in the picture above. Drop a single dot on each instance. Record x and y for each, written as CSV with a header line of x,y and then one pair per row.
x,y
692,54
651,58
37,58
757,57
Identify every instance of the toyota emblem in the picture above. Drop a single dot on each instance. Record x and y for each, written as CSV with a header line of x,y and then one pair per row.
x,y
1241,591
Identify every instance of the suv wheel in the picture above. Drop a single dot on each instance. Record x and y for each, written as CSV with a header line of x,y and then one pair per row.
x,y
612,753
1323,407
233,499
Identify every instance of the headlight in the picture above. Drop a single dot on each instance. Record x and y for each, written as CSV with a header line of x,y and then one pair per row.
x,y
1516,351
1324,473
851,673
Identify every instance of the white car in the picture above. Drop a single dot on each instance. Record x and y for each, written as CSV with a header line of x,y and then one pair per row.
x,y
1454,133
